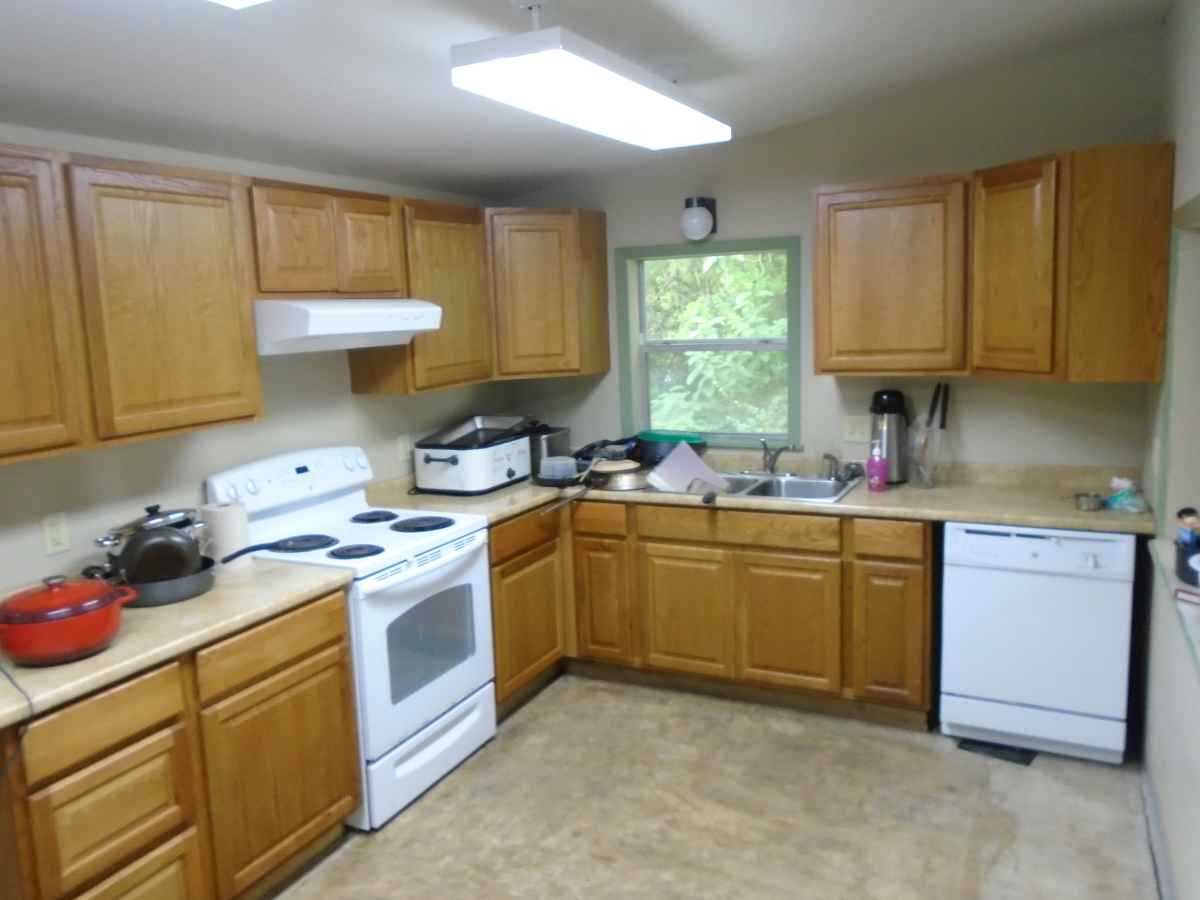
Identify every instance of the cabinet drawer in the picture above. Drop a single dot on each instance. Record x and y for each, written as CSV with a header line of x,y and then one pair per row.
x,y
173,871
92,727
600,518
106,815
887,537
751,529
522,533
240,660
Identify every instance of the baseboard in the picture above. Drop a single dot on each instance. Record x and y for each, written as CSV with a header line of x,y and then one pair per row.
x,y
523,695
1159,852
897,717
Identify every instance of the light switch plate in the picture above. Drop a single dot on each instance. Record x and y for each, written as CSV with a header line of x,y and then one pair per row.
x,y
56,536
856,429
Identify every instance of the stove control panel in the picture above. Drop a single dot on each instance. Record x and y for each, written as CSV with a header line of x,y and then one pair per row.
x,y
280,481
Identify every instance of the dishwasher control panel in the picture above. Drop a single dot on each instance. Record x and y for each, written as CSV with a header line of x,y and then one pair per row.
x,y
1084,553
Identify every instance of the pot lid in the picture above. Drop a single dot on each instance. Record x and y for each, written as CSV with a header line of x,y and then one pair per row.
x,y
57,597
156,517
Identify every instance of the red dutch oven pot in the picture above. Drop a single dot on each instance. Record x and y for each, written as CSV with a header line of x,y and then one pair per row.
x,y
61,620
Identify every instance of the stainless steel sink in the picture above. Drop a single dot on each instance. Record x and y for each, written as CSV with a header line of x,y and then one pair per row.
x,y
820,490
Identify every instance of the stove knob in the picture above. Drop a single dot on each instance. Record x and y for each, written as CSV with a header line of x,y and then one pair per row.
x,y
251,486
348,462
231,493
361,460
511,473
1092,561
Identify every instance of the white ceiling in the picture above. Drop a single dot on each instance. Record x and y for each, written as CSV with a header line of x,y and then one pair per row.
x,y
362,87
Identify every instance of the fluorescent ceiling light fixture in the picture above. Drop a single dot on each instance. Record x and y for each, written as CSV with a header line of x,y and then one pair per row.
x,y
556,73
238,4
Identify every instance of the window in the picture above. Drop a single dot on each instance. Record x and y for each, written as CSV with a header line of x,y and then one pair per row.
x,y
711,338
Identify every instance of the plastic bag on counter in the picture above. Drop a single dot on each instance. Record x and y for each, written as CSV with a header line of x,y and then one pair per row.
x,y
1126,497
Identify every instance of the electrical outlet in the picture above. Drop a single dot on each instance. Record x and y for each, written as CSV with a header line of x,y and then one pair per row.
x,y
856,429
55,535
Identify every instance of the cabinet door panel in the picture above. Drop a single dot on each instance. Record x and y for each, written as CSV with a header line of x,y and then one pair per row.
x,y
106,815
790,621
1013,254
296,240
168,312
535,260
282,766
447,266
890,626
602,599
687,601
1120,239
889,284
369,247
40,404
173,871
526,599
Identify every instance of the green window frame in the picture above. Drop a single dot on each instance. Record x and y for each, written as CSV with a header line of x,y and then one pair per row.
x,y
633,347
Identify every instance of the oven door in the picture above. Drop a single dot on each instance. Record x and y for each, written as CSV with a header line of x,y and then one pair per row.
x,y
422,643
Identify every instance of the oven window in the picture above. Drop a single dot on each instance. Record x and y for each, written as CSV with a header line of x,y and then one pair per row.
x,y
430,639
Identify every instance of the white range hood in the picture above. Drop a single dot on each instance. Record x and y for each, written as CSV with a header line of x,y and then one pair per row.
x,y
307,326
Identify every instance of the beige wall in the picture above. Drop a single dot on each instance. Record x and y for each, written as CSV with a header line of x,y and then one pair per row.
x,y
306,398
1173,714
1109,91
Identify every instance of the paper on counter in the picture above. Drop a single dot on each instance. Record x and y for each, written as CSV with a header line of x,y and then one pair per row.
x,y
681,468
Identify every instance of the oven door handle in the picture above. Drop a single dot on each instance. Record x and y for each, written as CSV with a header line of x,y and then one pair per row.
x,y
447,566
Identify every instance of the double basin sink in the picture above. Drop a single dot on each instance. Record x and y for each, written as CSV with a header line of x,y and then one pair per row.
x,y
789,487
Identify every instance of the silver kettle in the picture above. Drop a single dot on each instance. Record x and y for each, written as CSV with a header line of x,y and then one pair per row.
x,y
889,431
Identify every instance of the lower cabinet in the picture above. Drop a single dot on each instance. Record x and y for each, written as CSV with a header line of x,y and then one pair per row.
x,y
602,600
889,640
789,620
526,616
255,735
818,604
281,751
688,605
174,871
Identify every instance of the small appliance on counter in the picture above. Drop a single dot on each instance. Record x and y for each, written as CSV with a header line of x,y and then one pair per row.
x,y
889,429
546,441
480,455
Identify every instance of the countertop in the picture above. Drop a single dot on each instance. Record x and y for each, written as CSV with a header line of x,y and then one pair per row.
x,y
1037,502
243,596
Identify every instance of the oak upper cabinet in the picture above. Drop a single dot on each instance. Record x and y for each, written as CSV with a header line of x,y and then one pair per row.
x,y
687,601
164,263
789,620
322,241
447,265
42,387
370,252
527,598
1118,257
297,240
280,740
550,291
1070,258
1013,286
889,283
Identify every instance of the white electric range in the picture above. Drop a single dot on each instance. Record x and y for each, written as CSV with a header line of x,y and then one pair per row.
x,y
420,612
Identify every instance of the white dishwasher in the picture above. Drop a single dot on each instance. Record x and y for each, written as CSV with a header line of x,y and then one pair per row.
x,y
1035,638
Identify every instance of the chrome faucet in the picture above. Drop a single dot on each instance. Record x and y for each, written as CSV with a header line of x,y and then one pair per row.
x,y
833,467
770,458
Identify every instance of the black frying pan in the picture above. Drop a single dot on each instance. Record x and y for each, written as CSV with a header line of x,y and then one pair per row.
x,y
300,543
